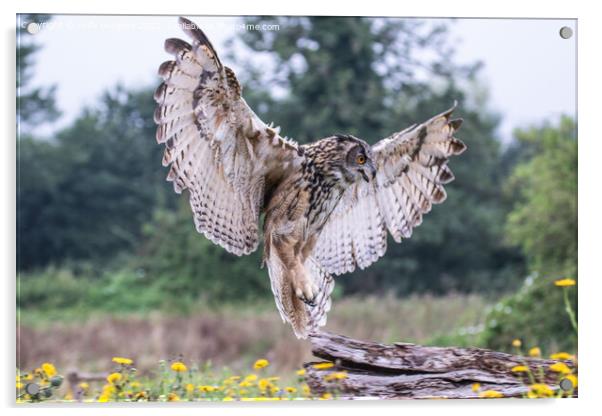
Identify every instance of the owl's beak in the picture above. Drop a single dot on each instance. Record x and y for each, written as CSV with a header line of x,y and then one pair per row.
x,y
372,172
364,175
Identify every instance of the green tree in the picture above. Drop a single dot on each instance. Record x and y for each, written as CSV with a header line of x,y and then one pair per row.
x,y
35,104
543,222
85,194
35,165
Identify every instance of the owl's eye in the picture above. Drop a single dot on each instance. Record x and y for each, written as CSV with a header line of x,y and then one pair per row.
x,y
360,159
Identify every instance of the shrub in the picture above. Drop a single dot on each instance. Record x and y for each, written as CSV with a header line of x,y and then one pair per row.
x,y
52,288
536,313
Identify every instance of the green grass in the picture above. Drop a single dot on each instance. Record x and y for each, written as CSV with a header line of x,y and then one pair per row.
x,y
233,335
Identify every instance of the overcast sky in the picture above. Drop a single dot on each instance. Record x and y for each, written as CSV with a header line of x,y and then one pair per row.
x,y
529,69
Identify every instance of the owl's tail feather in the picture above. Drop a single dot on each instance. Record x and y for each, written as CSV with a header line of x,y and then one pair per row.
x,y
304,318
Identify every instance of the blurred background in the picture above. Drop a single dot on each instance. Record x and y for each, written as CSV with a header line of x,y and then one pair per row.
x,y
109,263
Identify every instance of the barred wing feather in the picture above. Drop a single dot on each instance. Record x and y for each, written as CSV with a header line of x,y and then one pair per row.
x,y
411,171
215,145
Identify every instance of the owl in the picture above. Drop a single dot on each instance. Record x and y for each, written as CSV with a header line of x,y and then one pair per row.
x,y
323,208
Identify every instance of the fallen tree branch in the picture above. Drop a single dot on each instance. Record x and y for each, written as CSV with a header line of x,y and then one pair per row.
x,y
413,371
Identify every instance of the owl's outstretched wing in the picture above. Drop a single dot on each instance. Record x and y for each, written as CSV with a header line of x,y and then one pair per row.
x,y
411,171
216,146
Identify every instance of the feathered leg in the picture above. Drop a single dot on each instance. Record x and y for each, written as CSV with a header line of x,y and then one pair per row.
x,y
293,281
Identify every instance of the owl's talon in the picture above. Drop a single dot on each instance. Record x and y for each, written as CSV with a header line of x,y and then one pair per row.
x,y
310,302
307,293
305,300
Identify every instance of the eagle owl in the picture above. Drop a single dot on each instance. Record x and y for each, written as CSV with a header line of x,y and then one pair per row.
x,y
326,206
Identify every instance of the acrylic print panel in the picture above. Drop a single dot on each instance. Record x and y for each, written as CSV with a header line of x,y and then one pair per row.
x,y
420,193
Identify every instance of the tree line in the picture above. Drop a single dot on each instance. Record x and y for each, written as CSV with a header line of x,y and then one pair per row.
x,y
93,198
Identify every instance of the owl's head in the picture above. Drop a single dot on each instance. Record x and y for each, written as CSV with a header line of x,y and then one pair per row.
x,y
355,158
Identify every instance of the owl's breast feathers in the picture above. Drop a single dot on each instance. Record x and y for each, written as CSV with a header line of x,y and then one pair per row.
x,y
323,183
304,200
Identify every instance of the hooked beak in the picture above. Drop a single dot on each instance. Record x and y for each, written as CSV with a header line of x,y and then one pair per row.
x,y
372,173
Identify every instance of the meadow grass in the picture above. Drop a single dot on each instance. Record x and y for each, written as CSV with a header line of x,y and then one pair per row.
x,y
231,335
211,354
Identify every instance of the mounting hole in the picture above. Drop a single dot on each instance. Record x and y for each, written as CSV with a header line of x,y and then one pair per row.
x,y
566,32
566,384
32,389
32,28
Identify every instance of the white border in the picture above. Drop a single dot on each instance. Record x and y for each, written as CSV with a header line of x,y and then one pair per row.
x,y
589,32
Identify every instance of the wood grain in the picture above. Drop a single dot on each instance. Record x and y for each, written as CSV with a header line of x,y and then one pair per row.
x,y
404,370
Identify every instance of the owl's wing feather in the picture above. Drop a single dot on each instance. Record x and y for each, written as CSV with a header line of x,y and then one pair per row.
x,y
215,145
411,171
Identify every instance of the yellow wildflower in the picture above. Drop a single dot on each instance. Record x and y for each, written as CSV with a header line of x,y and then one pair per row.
x,y
173,397
306,390
573,379
114,378
565,282
135,385
263,384
274,389
338,375
189,388
227,399
516,343
326,396
108,388
520,369
291,390
49,369
19,385
38,372
122,360
560,368
140,395
179,367
491,394
231,380
261,363
206,389
561,356
301,372
107,391
475,387
84,386
251,377
323,366
539,390
535,352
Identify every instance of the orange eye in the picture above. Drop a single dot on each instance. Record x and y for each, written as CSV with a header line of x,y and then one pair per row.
x,y
360,159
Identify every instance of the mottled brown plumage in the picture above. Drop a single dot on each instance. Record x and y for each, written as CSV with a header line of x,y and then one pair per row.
x,y
326,206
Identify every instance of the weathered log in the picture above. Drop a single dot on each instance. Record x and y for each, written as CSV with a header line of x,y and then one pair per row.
x,y
414,371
